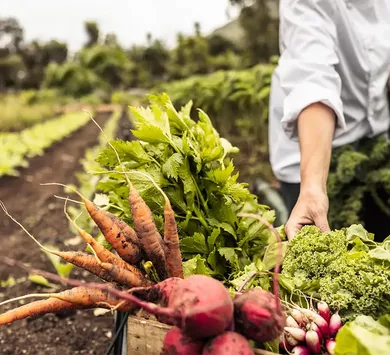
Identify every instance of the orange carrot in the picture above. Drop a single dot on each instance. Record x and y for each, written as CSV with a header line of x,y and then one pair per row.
x,y
75,298
172,245
120,235
104,254
147,232
84,261
123,276
173,256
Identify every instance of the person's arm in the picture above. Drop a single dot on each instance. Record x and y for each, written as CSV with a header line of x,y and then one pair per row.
x,y
316,126
312,110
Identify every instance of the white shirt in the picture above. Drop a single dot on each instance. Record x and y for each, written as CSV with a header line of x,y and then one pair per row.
x,y
336,52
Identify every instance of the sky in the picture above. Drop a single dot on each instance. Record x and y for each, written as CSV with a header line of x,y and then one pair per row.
x,y
131,20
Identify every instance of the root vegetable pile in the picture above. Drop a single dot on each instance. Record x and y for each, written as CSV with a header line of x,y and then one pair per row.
x,y
310,331
206,319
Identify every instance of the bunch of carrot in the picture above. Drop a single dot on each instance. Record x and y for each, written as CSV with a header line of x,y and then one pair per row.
x,y
205,317
121,267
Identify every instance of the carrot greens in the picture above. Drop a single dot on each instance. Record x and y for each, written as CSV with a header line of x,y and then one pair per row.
x,y
184,154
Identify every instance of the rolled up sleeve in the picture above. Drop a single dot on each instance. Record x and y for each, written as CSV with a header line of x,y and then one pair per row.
x,y
306,67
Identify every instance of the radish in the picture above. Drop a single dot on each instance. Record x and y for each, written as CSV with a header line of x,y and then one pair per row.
x,y
313,342
330,346
228,343
300,350
284,344
291,340
315,327
176,342
324,311
258,315
297,333
334,324
291,322
317,319
298,317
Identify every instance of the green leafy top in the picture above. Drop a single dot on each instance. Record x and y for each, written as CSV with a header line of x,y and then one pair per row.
x,y
190,161
364,336
345,268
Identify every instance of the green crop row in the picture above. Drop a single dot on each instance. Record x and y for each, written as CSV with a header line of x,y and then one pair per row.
x,y
17,148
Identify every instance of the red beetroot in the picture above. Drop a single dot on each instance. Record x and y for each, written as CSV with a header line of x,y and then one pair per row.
x,y
205,306
259,315
228,343
176,342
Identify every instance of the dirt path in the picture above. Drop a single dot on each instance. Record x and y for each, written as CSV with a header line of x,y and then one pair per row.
x,y
35,206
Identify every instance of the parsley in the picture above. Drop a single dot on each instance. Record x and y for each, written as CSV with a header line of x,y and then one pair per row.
x,y
192,164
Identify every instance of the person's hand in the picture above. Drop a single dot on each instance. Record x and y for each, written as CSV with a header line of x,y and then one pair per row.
x,y
311,208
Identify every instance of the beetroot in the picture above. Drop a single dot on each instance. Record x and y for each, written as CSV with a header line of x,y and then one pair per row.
x,y
228,343
259,315
205,306
199,305
176,342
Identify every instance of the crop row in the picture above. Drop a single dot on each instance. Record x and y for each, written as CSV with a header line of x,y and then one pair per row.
x,y
17,148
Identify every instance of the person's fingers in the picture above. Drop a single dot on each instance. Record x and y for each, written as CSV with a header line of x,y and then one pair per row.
x,y
291,229
321,222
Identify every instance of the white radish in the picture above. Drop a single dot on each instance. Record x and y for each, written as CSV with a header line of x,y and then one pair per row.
x,y
300,350
317,319
313,342
291,340
298,316
330,346
291,322
297,333
334,324
323,310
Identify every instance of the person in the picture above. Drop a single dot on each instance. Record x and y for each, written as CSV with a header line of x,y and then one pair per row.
x,y
328,89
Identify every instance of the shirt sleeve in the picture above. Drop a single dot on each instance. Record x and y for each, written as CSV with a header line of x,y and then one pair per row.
x,y
306,70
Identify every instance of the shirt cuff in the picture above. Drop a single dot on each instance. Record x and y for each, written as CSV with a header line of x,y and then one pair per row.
x,y
305,95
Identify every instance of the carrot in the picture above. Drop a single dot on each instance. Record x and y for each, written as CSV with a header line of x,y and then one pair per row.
x,y
103,254
147,232
131,276
172,245
51,305
119,234
173,256
123,276
75,298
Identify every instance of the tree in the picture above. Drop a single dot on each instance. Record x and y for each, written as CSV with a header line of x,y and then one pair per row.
x,y
11,34
259,19
92,31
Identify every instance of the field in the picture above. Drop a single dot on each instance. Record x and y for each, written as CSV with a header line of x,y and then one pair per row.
x,y
42,214
135,181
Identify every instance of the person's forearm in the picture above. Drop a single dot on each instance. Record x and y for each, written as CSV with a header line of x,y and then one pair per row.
x,y
316,125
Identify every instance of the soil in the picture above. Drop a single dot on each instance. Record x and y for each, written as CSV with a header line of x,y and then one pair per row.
x,y
76,332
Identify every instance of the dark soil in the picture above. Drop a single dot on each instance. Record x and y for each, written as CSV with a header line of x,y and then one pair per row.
x,y
41,213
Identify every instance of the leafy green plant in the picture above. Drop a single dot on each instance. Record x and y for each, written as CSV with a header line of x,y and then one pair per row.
x,y
191,162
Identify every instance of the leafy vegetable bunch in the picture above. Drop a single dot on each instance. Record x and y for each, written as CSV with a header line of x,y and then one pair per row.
x,y
356,173
364,336
344,268
192,164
